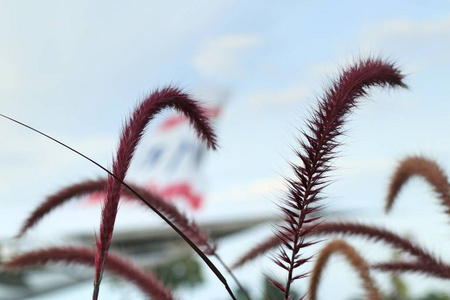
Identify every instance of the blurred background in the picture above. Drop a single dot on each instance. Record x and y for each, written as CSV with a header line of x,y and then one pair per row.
x,y
75,70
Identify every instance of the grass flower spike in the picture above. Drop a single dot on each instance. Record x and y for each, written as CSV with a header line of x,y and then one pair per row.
x,y
316,151
146,281
423,167
190,228
130,137
340,246
346,229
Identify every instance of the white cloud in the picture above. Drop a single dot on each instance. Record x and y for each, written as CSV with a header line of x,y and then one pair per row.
x,y
286,96
269,188
405,28
332,68
361,165
31,161
9,78
429,39
257,190
222,55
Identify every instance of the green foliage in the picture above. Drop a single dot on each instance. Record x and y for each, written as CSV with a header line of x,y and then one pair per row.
x,y
434,296
269,292
183,272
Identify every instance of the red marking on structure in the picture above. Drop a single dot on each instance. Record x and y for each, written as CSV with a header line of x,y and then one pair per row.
x,y
181,190
172,122
184,191
178,119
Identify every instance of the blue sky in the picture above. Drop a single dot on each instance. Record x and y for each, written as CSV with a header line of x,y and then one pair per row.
x,y
75,69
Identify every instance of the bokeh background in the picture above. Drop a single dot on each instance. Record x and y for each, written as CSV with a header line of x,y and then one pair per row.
x,y
74,70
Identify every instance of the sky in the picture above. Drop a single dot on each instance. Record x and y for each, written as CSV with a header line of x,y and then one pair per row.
x,y
74,70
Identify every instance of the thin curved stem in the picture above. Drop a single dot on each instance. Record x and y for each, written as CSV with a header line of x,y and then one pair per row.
x,y
243,290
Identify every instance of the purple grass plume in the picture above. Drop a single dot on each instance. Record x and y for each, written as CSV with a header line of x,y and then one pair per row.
x,y
420,267
131,134
422,167
117,265
317,150
375,233
59,198
190,228
260,249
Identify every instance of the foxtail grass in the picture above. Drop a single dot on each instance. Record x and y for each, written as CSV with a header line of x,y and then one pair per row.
x,y
204,130
132,133
420,267
352,256
426,168
375,233
116,265
316,150
87,187
302,223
